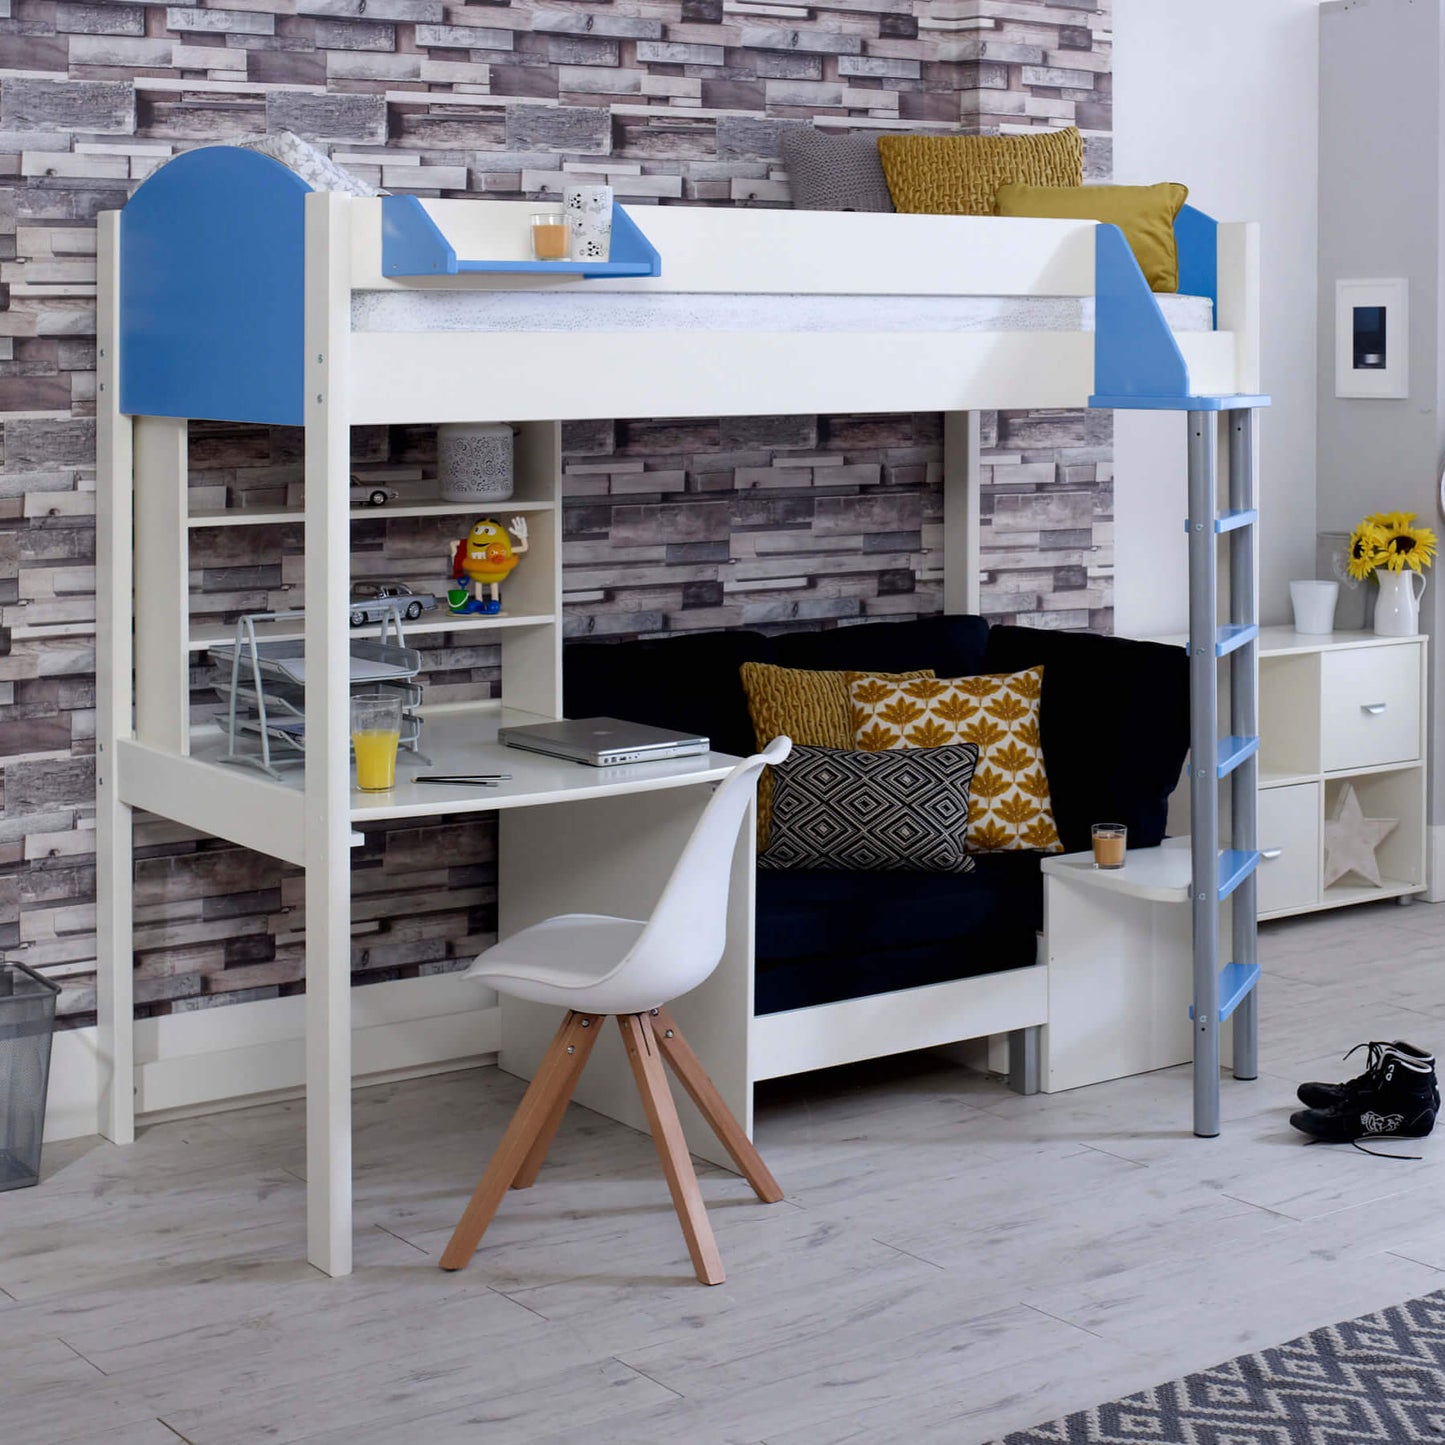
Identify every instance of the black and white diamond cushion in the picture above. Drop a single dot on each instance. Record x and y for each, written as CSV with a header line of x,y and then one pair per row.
x,y
898,809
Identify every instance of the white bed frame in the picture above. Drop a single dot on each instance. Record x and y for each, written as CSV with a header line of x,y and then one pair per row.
x,y
805,312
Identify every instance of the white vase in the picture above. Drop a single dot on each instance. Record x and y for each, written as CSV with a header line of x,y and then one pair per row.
x,y
1314,606
1397,609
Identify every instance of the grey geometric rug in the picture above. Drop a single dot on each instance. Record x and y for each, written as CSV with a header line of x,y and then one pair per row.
x,y
1378,1378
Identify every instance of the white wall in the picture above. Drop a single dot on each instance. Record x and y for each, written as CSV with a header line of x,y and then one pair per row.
x,y
1381,197
1223,95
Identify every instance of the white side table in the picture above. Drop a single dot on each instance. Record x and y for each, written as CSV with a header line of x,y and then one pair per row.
x,y
1120,975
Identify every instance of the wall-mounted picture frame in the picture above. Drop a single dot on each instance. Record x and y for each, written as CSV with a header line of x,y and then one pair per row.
x,y
1372,338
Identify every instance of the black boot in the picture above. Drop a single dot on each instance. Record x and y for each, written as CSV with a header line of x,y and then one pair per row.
x,y
1400,1102
1327,1096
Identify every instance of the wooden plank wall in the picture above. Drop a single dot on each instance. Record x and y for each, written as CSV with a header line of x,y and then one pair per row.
x,y
766,521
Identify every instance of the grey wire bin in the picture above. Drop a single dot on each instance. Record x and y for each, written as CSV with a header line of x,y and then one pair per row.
x,y
27,1020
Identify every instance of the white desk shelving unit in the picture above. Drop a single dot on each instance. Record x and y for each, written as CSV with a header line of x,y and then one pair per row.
x,y
1349,707
229,291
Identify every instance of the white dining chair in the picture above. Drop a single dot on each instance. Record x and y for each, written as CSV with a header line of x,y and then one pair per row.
x,y
593,966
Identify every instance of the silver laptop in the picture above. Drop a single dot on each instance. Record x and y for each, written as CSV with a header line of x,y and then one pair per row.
x,y
602,741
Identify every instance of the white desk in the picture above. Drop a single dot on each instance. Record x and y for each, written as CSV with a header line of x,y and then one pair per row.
x,y
571,839
579,839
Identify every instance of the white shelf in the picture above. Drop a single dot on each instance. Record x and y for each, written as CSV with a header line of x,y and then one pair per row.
x,y
1373,771
1285,641
210,633
1283,778
275,516
1343,895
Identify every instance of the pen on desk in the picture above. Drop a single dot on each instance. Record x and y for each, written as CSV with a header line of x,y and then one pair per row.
x,y
482,780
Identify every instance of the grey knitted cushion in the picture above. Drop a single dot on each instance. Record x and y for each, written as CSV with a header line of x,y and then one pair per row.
x,y
834,172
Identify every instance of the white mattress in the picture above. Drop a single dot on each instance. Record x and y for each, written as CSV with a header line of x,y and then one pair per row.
x,y
570,310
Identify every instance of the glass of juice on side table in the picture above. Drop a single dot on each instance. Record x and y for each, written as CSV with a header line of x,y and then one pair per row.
x,y
375,737
550,238
1110,841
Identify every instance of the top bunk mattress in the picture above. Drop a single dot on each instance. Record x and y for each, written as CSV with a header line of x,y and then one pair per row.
x,y
608,311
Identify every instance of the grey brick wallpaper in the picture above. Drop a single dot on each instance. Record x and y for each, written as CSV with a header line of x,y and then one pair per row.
x,y
762,521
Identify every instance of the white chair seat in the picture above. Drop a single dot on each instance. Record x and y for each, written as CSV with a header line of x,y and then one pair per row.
x,y
569,960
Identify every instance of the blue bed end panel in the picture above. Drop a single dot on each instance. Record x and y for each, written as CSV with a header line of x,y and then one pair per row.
x,y
1196,237
1137,362
1135,354
212,290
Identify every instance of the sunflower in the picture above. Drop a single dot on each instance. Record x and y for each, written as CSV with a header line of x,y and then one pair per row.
x,y
1367,549
1406,545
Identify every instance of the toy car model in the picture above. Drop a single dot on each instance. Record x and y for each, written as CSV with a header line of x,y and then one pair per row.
x,y
371,601
371,494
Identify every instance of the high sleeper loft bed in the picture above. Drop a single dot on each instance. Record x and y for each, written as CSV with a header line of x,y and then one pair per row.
x,y
230,291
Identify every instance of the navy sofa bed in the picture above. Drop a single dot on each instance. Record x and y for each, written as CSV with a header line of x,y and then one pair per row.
x,y
1115,730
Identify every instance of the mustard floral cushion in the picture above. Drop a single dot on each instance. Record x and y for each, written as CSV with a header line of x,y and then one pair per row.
x,y
1009,807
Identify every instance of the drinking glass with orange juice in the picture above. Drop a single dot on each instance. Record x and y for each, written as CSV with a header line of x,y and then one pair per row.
x,y
550,236
375,738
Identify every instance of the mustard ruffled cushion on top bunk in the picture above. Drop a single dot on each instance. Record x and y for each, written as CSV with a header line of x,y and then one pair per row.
x,y
959,175
1145,214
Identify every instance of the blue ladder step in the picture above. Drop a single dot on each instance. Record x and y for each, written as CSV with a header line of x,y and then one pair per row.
x,y
1234,635
1232,752
1230,521
1235,980
1235,865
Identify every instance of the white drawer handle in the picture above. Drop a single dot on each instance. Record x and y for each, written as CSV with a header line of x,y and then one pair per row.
x,y
1270,854
1373,708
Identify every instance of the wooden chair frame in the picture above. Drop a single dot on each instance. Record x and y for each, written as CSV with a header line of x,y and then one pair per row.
x,y
649,1039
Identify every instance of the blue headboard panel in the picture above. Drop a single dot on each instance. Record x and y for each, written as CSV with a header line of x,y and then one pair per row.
x,y
1197,238
211,290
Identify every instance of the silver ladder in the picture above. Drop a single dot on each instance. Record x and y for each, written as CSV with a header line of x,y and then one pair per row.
x,y
1218,873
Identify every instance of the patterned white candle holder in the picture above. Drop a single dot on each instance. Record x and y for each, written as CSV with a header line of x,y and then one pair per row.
x,y
474,461
589,216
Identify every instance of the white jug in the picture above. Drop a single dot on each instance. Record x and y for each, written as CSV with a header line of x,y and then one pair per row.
x,y
1397,609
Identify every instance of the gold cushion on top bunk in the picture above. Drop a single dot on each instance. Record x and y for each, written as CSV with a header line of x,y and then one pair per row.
x,y
959,175
1145,214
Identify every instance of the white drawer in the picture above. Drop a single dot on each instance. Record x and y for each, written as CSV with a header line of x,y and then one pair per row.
x,y
1289,821
1371,707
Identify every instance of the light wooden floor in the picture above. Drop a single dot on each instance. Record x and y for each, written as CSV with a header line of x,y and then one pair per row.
x,y
952,1260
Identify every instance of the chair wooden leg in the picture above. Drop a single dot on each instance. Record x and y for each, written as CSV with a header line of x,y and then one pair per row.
x,y
647,1070
552,1076
688,1068
537,1154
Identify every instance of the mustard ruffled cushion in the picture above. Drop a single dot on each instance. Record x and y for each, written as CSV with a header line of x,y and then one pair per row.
x,y
1010,809
1145,214
812,708
959,175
